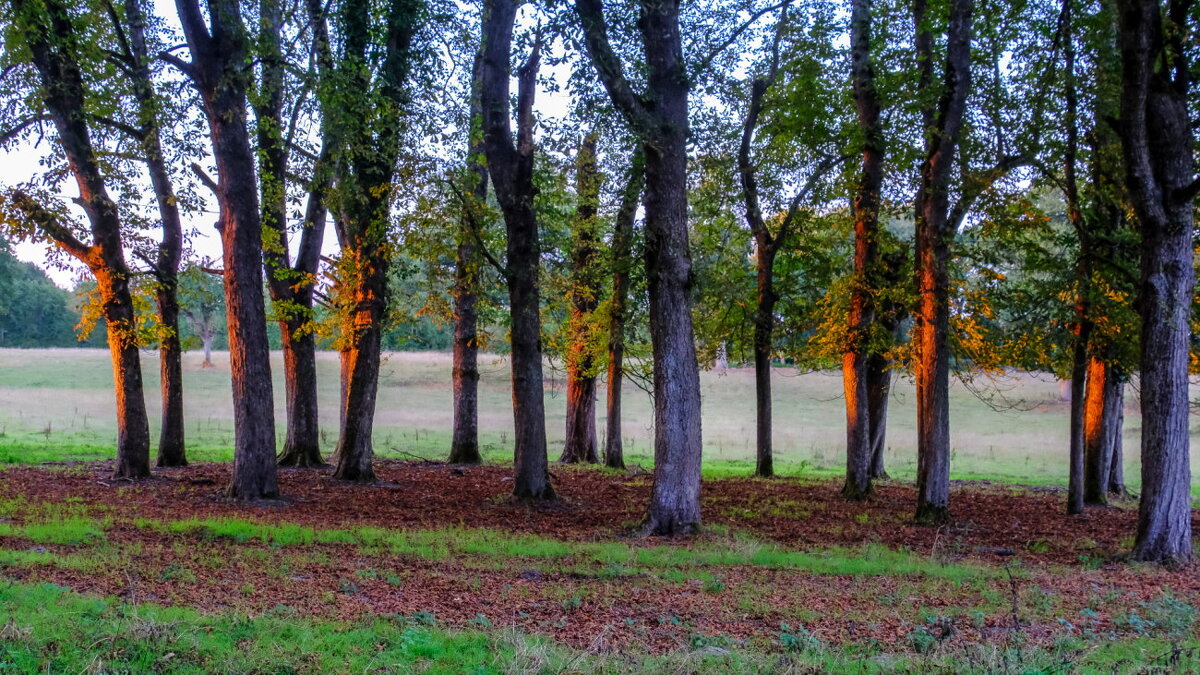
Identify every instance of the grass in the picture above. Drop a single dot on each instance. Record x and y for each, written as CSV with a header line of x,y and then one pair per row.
x,y
715,550
57,405
52,629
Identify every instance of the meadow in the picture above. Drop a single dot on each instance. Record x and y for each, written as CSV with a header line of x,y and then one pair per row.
x,y
434,568
57,405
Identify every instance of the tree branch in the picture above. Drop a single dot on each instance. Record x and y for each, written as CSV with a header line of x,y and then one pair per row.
x,y
21,125
206,179
707,60
473,226
608,65
982,184
132,131
785,228
49,222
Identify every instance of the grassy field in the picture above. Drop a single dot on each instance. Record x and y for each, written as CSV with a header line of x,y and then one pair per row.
x,y
434,569
58,405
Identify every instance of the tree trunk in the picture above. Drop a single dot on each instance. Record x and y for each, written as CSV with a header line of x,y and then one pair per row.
x,y
62,90
584,298
206,337
511,168
1114,421
879,388
464,443
764,342
622,243
171,450
675,498
1080,386
1097,444
856,359
219,73
933,236
1157,140
361,335
661,122
171,447
377,57
133,431
302,445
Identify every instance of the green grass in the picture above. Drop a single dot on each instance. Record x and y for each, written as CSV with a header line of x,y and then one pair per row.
x,y
51,629
70,531
57,405
716,550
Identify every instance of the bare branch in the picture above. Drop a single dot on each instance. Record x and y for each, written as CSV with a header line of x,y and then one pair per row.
x,y
51,224
206,179
707,60
608,65
21,125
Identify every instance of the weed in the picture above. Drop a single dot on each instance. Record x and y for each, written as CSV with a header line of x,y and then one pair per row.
x,y
797,639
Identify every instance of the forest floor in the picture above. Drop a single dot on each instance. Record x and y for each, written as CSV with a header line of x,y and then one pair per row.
x,y
786,576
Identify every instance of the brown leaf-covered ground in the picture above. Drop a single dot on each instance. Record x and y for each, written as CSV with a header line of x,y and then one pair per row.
x,y
1065,567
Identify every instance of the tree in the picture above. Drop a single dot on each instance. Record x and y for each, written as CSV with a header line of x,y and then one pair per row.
x,y
291,285
621,262
583,295
511,167
659,119
464,443
856,361
367,109
1156,134
49,39
164,267
934,231
219,51
201,299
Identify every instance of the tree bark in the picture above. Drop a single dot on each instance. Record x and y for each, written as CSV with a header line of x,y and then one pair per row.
x,y
933,236
1114,420
511,168
368,152
63,94
1097,426
622,244
856,360
1157,141
584,298
464,444
165,268
764,343
219,74
879,389
661,123
291,286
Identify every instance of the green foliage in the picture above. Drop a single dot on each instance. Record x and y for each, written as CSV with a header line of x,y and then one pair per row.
x,y
34,312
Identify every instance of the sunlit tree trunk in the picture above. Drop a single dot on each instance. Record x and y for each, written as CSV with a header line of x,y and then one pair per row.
x,y
933,236
1097,444
62,90
583,296
374,64
856,360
